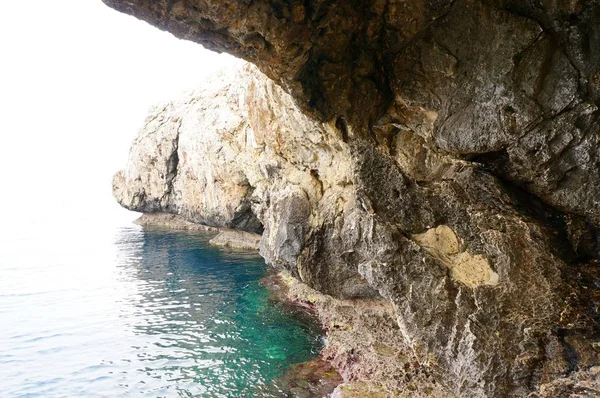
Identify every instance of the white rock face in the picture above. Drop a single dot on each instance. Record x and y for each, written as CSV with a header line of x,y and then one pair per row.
x,y
238,153
184,160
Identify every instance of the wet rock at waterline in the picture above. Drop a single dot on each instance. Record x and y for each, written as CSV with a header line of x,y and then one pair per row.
x,y
240,240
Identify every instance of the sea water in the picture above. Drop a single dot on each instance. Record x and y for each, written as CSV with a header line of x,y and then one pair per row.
x,y
106,311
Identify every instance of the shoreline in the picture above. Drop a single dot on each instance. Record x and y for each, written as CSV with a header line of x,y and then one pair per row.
x,y
171,221
223,237
364,344
313,378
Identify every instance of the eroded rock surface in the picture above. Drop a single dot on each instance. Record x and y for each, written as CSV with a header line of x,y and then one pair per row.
x,y
514,85
247,158
484,292
364,344
442,155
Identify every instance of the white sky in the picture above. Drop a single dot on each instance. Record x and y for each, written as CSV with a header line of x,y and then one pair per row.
x,y
76,81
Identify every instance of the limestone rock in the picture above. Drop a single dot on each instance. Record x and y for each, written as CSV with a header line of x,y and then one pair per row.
x,y
511,84
363,343
238,153
236,240
194,171
486,293
442,243
442,155
171,221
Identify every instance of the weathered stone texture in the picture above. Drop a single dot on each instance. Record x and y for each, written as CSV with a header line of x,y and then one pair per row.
x,y
443,155
468,271
246,158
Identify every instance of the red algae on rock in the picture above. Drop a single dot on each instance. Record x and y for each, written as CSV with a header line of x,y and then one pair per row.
x,y
363,343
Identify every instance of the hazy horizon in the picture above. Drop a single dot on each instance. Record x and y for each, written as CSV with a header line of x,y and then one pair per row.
x,y
77,81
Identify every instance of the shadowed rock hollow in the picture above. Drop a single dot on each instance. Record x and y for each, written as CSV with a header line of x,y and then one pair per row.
x,y
442,155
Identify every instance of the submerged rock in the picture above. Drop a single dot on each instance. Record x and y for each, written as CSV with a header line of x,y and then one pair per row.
x,y
440,155
171,221
315,378
236,240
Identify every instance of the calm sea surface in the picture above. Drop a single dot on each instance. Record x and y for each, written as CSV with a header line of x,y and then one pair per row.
x,y
93,309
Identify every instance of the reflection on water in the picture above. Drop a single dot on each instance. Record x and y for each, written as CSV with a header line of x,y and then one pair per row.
x,y
147,314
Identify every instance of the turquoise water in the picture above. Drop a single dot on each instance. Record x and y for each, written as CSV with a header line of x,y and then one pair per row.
x,y
127,312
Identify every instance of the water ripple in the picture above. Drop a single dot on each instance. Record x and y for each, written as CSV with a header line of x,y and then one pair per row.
x,y
145,314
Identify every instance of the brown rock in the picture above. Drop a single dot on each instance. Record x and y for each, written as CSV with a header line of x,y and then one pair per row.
x,y
443,155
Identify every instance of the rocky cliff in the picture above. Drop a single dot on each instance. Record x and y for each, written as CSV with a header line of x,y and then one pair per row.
x,y
442,155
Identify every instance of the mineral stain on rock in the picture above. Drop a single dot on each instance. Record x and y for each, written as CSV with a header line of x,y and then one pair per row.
x,y
471,270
